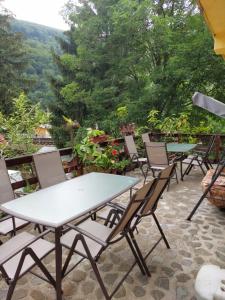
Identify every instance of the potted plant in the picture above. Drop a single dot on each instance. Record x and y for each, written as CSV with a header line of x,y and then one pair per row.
x,y
99,159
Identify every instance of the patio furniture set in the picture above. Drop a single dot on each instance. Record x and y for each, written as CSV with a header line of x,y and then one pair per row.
x,y
67,210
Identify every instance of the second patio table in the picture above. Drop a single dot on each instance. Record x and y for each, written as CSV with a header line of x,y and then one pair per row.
x,y
183,148
59,204
180,148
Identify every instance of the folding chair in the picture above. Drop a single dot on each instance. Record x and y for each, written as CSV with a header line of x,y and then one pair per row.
x,y
157,158
49,169
89,239
145,138
8,224
20,254
199,159
133,153
156,188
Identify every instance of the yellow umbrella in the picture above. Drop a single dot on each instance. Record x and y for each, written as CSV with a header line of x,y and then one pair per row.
x,y
214,13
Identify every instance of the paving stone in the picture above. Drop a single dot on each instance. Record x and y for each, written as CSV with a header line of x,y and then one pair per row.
x,y
162,282
37,295
199,260
69,288
157,295
183,277
79,275
129,279
138,291
203,252
220,256
185,253
20,293
120,293
110,278
88,287
168,271
181,293
177,266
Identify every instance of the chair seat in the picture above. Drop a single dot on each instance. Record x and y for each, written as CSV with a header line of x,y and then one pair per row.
x,y
208,283
98,230
6,226
41,248
140,159
188,160
159,167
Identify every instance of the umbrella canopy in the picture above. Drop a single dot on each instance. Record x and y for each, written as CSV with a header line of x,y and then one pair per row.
x,y
214,13
212,105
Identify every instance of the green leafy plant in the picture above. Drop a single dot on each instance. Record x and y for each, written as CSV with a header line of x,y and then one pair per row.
x,y
96,158
19,127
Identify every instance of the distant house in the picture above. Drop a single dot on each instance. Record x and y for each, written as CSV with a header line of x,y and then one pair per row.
x,y
43,131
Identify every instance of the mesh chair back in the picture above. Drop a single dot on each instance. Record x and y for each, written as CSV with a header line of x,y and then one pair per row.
x,y
134,205
49,168
210,146
6,191
131,147
157,154
145,138
161,183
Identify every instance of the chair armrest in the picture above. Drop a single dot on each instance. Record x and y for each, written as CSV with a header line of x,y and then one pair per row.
x,y
117,206
87,234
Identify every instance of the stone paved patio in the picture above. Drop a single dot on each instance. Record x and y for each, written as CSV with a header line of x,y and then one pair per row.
x,y
173,271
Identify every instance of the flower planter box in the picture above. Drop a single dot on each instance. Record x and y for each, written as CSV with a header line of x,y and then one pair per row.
x,y
216,195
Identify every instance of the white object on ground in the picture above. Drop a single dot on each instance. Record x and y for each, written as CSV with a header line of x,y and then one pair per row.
x,y
209,283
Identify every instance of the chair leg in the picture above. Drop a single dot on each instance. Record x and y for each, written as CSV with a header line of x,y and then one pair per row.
x,y
80,238
176,176
135,255
140,254
146,174
189,169
200,165
26,252
161,231
94,266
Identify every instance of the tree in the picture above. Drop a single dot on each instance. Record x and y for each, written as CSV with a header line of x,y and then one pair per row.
x,y
19,127
12,62
140,54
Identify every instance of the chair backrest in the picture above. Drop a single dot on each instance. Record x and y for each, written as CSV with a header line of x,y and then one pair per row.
x,y
145,138
131,147
210,146
156,154
161,183
134,205
49,168
6,191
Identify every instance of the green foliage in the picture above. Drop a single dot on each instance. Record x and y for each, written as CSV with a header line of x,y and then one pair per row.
x,y
124,58
12,64
97,158
39,42
19,127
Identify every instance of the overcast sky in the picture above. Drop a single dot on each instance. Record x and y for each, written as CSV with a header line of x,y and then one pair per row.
x,y
44,12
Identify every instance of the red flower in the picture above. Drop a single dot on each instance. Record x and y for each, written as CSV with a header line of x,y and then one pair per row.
x,y
114,152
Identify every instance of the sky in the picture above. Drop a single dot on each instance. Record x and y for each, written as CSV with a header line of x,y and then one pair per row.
x,y
45,12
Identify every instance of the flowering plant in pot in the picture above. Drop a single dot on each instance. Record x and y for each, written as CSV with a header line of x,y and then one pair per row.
x,y
97,158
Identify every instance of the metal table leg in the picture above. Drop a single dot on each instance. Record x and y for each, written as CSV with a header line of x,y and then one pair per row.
x,y
58,263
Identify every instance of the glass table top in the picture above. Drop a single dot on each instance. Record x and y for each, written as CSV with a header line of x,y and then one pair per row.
x,y
180,147
61,203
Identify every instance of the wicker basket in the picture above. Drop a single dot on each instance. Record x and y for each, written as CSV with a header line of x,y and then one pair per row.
x,y
216,194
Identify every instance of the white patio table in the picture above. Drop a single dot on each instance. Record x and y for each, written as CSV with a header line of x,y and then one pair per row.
x,y
57,205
